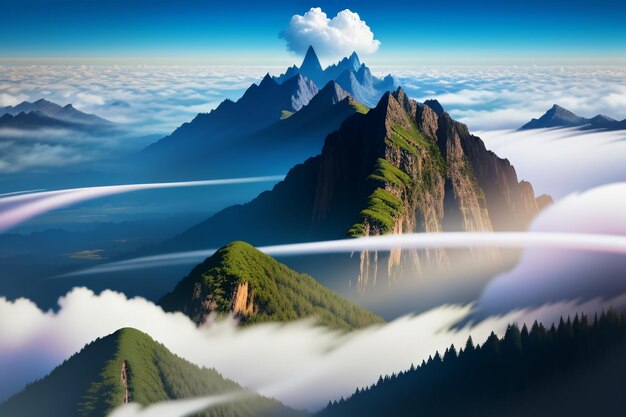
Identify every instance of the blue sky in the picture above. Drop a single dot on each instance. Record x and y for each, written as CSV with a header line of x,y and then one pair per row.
x,y
246,32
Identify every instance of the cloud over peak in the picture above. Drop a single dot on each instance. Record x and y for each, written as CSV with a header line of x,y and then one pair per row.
x,y
331,37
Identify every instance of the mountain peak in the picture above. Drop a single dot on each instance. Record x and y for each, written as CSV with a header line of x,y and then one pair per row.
x,y
556,116
311,63
435,106
354,60
333,91
254,287
267,81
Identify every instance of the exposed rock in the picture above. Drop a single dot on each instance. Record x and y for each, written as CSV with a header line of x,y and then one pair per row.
x,y
403,167
124,376
245,283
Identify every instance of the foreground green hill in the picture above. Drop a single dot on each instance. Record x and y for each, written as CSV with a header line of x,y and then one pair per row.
x,y
577,368
240,280
128,366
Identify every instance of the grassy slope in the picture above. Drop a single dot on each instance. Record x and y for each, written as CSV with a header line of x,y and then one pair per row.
x,y
279,293
383,207
89,383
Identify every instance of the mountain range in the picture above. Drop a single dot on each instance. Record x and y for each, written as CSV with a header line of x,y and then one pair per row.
x,y
46,114
557,116
401,167
353,76
241,281
272,126
276,123
129,366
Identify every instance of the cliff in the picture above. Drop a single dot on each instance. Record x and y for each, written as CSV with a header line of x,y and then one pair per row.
x,y
402,167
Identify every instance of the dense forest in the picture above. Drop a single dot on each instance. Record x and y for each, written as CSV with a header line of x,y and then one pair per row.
x,y
576,368
129,366
241,280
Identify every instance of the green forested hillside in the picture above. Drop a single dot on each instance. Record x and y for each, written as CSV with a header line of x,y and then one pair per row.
x,y
128,365
577,368
241,280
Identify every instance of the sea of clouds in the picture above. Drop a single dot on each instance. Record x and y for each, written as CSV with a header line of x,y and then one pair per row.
x,y
154,100
301,364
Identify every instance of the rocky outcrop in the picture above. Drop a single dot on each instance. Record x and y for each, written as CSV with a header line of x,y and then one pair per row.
x,y
420,171
403,167
245,283
243,300
124,377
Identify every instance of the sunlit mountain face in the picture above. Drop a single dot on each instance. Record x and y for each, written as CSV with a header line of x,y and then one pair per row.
x,y
397,209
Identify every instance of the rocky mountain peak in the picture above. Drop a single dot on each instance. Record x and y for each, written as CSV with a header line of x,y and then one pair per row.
x,y
268,82
311,63
355,61
333,92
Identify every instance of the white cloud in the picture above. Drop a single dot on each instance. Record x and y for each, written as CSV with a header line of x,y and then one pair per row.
x,y
547,274
506,97
301,364
331,37
561,161
19,208
9,100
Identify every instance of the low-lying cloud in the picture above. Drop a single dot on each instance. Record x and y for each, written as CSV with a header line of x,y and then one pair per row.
x,y
547,274
506,97
451,240
331,37
562,161
299,363
16,209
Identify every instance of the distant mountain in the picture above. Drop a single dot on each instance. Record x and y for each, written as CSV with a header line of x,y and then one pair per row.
x,y
240,280
128,366
557,116
302,133
33,120
402,167
270,128
259,107
574,369
349,73
43,113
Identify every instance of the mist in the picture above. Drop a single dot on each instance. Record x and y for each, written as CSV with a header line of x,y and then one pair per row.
x,y
16,209
299,363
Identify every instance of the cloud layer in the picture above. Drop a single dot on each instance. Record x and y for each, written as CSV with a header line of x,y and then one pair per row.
x,y
301,364
544,275
331,37
562,161
506,97
147,102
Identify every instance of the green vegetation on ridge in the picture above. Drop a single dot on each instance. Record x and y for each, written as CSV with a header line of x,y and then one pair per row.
x,y
383,207
274,292
90,383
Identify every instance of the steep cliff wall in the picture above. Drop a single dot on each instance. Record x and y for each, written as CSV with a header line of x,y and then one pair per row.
x,y
403,167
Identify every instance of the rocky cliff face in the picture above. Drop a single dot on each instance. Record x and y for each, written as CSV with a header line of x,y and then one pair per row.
x,y
403,167
421,171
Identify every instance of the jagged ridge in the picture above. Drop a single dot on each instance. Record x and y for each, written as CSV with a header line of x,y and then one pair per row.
x,y
402,167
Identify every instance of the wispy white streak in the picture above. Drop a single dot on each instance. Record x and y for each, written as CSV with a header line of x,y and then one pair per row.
x,y
177,408
573,241
27,206
21,192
